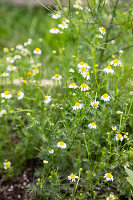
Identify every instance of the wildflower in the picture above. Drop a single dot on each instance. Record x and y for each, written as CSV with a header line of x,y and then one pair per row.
x,y
110,197
3,112
119,112
73,85
47,99
102,30
56,16
108,69
116,62
95,104
105,97
54,52
36,70
63,25
17,57
113,42
29,73
24,52
114,128
108,177
84,87
24,81
108,133
119,137
125,136
61,145
83,64
28,114
6,95
86,75
77,106
5,74
71,70
54,30
99,36
37,51
57,77
72,177
6,50
78,6
92,125
11,68
121,52
126,164
82,70
19,46
45,161
10,59
51,151
20,95
7,164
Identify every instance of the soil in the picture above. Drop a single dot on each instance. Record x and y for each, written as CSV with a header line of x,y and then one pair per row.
x,y
15,189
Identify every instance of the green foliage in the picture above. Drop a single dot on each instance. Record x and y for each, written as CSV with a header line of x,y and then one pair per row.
x,y
130,176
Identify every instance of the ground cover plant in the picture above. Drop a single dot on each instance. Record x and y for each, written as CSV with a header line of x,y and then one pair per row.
x,y
66,100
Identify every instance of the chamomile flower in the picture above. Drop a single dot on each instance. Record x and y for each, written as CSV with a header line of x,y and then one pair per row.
x,y
102,30
83,64
105,97
6,50
47,99
56,16
82,70
7,164
92,125
63,25
29,73
86,75
114,128
3,112
6,95
51,151
57,77
20,95
17,57
24,52
71,70
11,68
84,87
77,106
73,85
110,197
10,59
95,104
37,51
116,62
36,70
99,36
108,177
61,145
19,46
24,81
54,30
119,137
5,74
78,6
72,177
45,162
108,69
121,52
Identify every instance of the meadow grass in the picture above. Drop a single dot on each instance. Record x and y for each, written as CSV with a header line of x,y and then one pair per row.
x,y
80,127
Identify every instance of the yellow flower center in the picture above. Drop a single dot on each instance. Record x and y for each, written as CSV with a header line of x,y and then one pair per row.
x,y
54,29
83,69
119,136
87,73
18,44
111,198
93,124
36,69
18,94
37,49
6,92
81,63
73,84
24,81
11,66
77,104
109,67
56,75
29,73
62,143
116,61
105,95
46,98
63,24
103,29
95,104
7,164
72,176
109,175
10,58
84,85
